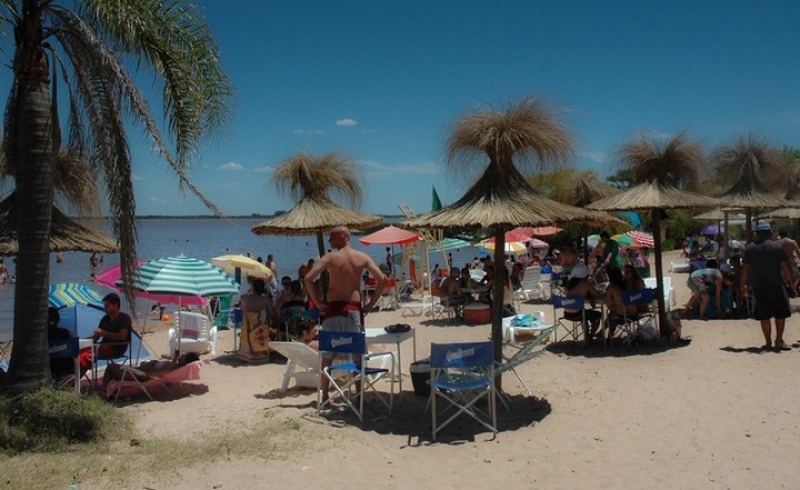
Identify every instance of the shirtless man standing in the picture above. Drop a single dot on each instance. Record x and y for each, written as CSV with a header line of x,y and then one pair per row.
x,y
342,308
791,249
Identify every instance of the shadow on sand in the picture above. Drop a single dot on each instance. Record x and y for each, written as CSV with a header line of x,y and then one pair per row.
x,y
618,349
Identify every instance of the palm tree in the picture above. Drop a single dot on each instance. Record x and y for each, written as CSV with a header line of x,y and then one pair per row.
x,y
87,47
754,166
313,181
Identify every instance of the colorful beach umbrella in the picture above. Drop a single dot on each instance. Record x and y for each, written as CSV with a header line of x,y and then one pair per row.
x,y
391,235
111,276
624,239
229,264
642,238
510,247
183,276
536,243
66,294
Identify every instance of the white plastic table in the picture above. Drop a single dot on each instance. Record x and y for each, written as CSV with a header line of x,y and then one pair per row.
x,y
381,336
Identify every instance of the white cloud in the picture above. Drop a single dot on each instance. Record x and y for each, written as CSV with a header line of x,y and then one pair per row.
x,y
137,177
347,122
378,169
263,170
156,199
308,131
231,166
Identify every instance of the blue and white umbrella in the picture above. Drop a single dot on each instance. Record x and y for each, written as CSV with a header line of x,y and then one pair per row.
x,y
66,294
182,276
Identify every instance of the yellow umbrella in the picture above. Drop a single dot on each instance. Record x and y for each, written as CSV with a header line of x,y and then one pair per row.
x,y
229,263
515,247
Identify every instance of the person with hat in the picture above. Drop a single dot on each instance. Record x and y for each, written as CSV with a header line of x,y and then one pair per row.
x,y
611,259
578,286
766,264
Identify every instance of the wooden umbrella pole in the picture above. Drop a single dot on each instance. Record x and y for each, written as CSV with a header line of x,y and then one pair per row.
x,y
662,312
497,299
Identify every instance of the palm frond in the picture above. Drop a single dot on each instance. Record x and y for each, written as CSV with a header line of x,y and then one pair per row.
x,y
331,174
676,162
527,131
752,163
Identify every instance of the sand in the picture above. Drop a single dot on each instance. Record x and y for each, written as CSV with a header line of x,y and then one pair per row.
x,y
716,413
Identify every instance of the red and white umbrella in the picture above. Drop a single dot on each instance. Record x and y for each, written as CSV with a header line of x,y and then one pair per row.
x,y
641,238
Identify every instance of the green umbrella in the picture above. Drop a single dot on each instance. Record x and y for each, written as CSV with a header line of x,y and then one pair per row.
x,y
183,276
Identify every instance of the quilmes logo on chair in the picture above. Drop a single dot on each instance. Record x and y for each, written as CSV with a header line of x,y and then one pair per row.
x,y
460,354
341,341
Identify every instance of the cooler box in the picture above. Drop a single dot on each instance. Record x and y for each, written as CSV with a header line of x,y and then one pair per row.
x,y
421,377
477,314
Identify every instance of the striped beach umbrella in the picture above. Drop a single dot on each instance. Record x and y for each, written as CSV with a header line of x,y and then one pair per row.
x,y
183,276
642,239
66,294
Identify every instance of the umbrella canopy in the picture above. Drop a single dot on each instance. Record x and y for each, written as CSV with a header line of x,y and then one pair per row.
x,y
649,196
641,238
65,234
719,215
536,243
391,235
111,276
66,294
182,276
538,230
785,213
316,214
451,244
712,229
624,239
229,264
510,247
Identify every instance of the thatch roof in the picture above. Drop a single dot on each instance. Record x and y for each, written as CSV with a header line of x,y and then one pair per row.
x,y
65,234
504,199
719,215
746,194
785,213
652,196
316,214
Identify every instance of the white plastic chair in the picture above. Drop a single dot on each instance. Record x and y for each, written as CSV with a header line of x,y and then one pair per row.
x,y
195,334
532,286
302,365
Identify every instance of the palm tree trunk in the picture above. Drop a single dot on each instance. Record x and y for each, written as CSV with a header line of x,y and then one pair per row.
x,y
31,145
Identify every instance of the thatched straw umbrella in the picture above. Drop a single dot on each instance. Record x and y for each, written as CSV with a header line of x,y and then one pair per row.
x,y
658,170
65,234
311,180
524,132
750,160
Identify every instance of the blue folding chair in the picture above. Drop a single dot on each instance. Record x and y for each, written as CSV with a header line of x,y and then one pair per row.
x,y
67,349
461,375
350,359
572,326
630,324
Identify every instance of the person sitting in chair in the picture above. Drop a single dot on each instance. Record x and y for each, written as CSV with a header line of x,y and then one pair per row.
x,y
452,294
113,334
63,366
292,300
579,286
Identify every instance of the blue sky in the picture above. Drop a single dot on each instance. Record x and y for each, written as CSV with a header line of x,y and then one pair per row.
x,y
382,80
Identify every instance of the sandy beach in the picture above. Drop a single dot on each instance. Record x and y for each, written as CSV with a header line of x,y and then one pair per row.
x,y
716,413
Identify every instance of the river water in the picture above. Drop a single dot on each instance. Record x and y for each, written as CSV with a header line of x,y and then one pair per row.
x,y
201,239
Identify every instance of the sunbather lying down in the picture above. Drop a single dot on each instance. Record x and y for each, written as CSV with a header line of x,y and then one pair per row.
x,y
150,369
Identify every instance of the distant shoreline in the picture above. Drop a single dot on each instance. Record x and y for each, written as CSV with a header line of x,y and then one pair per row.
x,y
211,216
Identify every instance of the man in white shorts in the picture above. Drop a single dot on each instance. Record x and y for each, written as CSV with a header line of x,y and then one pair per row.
x,y
342,304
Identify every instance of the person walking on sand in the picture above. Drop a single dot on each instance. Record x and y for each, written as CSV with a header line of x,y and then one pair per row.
x,y
342,304
765,261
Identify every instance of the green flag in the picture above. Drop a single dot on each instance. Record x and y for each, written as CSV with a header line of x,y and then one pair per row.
x,y
436,203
